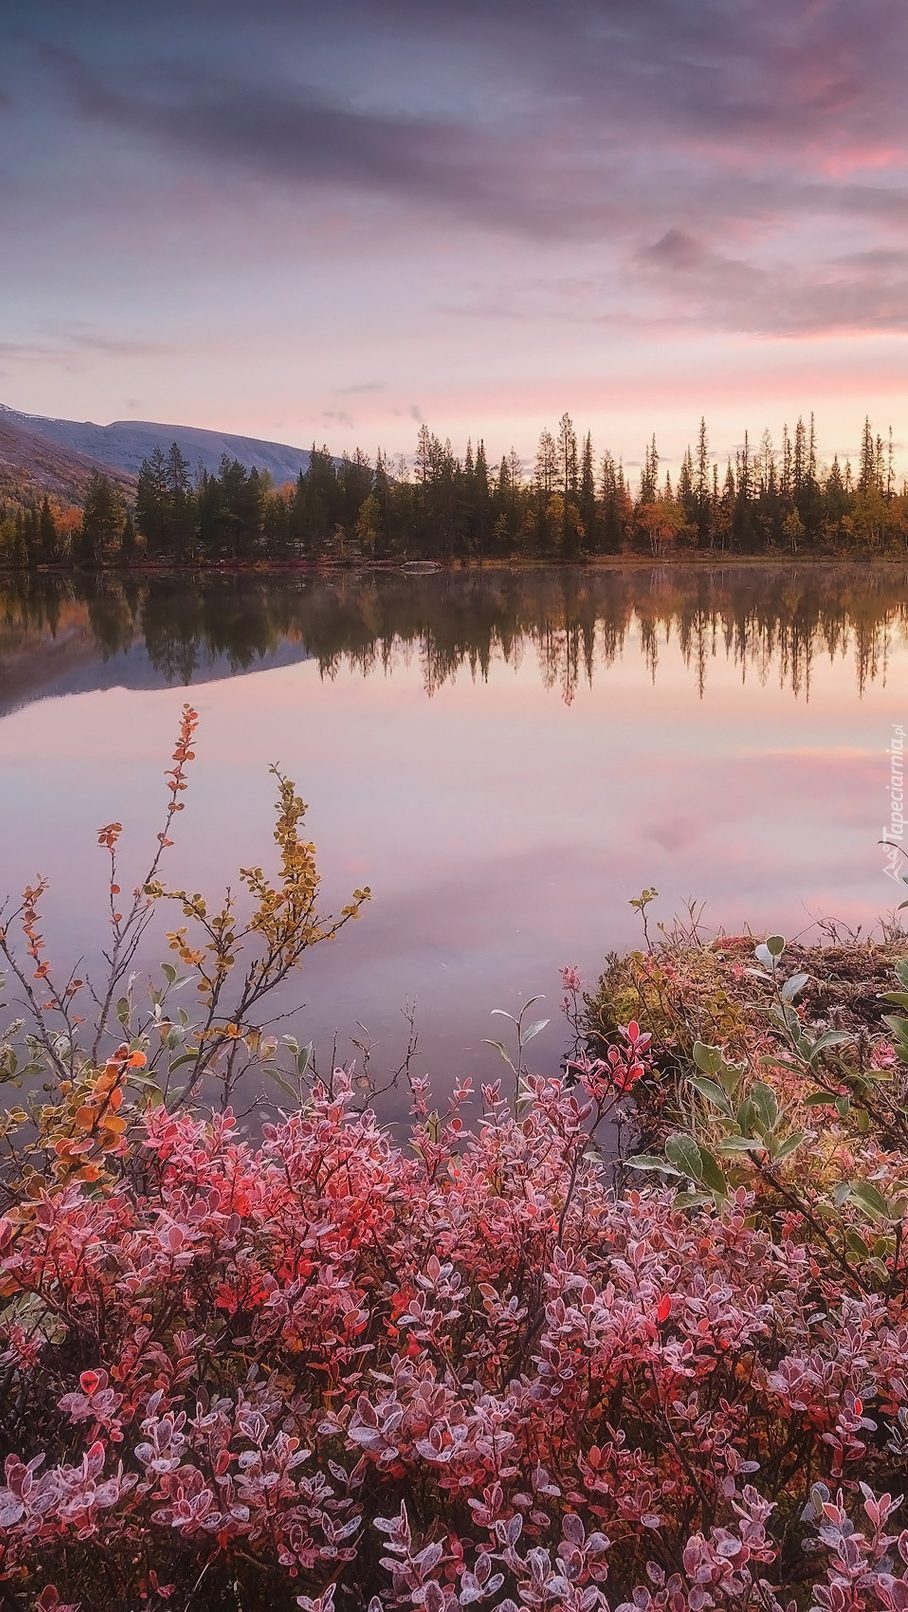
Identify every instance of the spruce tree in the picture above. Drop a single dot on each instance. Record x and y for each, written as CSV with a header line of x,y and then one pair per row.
x,y
47,534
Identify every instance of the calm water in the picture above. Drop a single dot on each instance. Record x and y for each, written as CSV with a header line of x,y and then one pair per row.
x,y
507,759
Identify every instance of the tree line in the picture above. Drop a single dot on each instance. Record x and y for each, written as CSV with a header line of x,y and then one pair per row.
x,y
572,504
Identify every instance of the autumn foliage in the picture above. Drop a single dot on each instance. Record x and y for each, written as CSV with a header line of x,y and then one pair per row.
x,y
328,1367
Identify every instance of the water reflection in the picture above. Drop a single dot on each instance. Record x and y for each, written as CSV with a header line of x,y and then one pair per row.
x,y
506,758
766,620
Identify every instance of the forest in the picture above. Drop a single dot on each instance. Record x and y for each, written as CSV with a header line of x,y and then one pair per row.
x,y
573,504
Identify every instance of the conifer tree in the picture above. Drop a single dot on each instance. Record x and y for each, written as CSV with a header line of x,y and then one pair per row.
x,y
589,513
47,533
102,518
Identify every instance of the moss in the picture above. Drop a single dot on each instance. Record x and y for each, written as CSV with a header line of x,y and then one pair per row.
x,y
684,991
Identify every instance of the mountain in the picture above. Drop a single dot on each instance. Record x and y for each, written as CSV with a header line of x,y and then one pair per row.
x,y
124,444
32,465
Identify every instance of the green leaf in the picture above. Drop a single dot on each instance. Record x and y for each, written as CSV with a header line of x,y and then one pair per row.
x,y
746,1117
712,1175
729,1077
692,1200
843,1107
279,1080
829,1038
123,1010
900,998
897,1025
533,1030
870,1200
304,1057
185,1057
790,1145
855,1244
819,1099
650,1161
764,1100
713,1093
793,985
764,955
682,1151
789,1017
739,1144
775,944
500,1048
901,971
696,1162
709,1059
169,972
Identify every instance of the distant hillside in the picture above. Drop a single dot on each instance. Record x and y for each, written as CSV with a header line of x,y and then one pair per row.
x,y
124,444
32,465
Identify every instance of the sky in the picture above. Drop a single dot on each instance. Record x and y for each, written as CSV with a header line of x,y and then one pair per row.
x,y
336,222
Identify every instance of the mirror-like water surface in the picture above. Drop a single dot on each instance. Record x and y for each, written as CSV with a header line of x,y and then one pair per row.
x,y
506,758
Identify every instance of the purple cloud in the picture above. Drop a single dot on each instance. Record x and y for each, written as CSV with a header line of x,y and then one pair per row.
x,y
691,140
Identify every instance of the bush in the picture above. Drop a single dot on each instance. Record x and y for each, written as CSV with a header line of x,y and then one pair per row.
x,y
324,1369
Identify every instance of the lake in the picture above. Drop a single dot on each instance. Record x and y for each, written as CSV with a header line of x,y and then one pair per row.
x,y
507,757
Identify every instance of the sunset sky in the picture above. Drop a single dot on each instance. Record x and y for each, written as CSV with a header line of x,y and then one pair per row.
x,y
333,222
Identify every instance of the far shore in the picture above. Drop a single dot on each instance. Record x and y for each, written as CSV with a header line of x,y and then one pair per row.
x,y
690,560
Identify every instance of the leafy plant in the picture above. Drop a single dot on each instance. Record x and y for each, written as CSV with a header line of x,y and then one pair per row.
x,y
331,1368
105,1069
746,1135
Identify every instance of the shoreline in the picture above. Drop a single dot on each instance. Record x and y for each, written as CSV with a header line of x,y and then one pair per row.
x,y
701,561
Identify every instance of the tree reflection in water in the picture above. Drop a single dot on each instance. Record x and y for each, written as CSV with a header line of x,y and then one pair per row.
x,y
575,621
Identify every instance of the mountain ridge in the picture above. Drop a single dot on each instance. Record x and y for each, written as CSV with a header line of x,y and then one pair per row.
x,y
32,466
123,444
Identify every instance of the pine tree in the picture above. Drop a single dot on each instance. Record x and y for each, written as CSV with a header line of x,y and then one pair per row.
x,y
702,488
128,540
649,475
787,476
799,462
687,496
102,519
867,472
567,456
546,464
589,513
482,498
47,534
152,503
